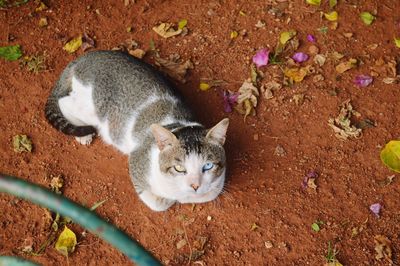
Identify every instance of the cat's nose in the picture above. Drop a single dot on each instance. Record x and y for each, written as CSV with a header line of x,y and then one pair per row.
x,y
195,187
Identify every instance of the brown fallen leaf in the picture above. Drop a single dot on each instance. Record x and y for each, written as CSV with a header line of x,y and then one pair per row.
x,y
319,59
345,66
166,30
296,74
342,125
138,53
56,184
43,22
247,99
383,248
176,69
181,243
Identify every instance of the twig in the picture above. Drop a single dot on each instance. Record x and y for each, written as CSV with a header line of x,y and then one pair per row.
x,y
187,240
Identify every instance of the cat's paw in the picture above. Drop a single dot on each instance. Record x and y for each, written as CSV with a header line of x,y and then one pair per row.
x,y
154,202
85,140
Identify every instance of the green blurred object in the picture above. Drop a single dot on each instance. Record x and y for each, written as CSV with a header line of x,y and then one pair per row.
x,y
80,215
14,261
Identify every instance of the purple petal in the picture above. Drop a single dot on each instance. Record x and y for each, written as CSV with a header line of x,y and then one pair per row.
x,y
311,38
312,174
375,208
363,80
261,58
300,57
230,99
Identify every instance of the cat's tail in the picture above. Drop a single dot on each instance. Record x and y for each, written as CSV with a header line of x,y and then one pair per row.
x,y
56,119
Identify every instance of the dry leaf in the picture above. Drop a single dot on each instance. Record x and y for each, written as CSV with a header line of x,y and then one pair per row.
x,y
181,243
22,143
247,99
299,98
174,69
66,242
318,78
391,80
344,66
138,53
319,59
56,184
342,126
383,248
336,55
166,30
73,45
296,74
43,22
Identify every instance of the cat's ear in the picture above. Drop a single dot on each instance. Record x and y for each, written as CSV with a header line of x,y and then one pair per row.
x,y
218,132
163,136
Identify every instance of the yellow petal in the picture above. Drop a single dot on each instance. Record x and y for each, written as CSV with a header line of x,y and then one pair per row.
x,y
296,74
234,34
331,16
204,86
73,45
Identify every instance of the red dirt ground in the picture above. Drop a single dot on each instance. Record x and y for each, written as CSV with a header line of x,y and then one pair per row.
x,y
263,188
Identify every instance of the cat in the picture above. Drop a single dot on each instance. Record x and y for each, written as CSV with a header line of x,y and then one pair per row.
x,y
172,157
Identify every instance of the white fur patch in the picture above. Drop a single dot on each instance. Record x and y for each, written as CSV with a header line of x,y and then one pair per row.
x,y
78,107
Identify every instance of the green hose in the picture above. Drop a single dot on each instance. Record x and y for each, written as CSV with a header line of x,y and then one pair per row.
x,y
80,215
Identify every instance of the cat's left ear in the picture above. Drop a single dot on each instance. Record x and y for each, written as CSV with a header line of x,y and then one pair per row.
x,y
218,132
163,136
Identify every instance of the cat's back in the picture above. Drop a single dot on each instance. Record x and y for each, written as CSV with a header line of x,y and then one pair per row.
x,y
120,73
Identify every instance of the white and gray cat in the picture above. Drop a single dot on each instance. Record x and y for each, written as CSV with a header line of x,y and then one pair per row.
x,y
172,158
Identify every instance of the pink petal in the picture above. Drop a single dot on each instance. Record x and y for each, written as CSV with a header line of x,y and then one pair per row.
x,y
230,99
311,38
261,58
375,208
300,57
363,80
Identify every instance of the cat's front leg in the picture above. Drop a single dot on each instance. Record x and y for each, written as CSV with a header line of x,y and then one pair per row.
x,y
155,202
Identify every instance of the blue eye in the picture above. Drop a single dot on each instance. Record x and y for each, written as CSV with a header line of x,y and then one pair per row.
x,y
207,166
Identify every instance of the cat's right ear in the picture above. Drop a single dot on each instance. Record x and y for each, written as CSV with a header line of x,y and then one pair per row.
x,y
218,132
163,136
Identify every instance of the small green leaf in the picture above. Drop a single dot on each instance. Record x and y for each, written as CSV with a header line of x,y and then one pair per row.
x,y
314,2
73,45
332,3
66,242
10,53
315,227
390,155
367,18
331,16
182,23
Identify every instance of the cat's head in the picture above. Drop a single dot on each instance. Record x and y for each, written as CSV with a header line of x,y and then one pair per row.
x,y
192,161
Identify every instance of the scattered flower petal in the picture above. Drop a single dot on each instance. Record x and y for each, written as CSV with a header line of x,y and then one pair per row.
x,y
363,80
300,57
234,34
230,100
261,58
375,208
367,18
311,38
204,86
